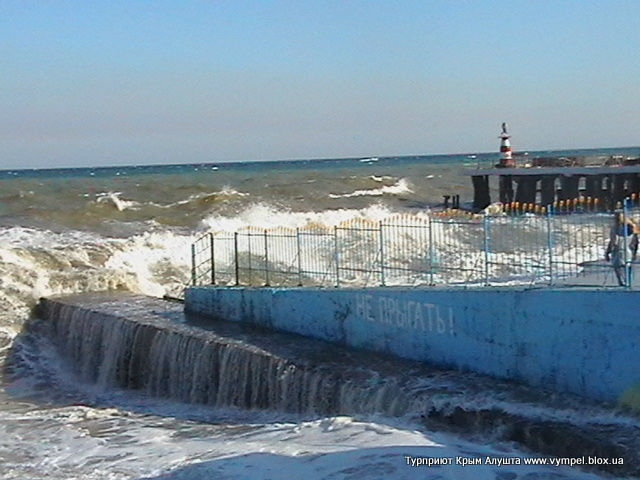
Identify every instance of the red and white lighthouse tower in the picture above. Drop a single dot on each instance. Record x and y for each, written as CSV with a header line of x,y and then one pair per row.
x,y
505,149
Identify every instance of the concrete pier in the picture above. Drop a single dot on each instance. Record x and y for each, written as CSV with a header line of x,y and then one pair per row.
x,y
582,341
546,185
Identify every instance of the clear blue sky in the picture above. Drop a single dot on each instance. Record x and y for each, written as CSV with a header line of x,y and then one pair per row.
x,y
126,82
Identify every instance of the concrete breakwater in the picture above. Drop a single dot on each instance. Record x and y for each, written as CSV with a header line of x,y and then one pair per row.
x,y
127,341
584,341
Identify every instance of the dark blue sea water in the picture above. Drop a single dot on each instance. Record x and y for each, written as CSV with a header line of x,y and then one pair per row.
x,y
471,159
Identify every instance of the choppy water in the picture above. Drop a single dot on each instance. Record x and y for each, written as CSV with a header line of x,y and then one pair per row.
x,y
129,228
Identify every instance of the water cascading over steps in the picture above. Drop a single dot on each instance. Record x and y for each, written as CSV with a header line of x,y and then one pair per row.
x,y
134,342
174,360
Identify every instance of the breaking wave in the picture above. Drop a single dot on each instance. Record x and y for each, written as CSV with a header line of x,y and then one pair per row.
x,y
114,199
225,193
39,262
36,262
398,188
264,215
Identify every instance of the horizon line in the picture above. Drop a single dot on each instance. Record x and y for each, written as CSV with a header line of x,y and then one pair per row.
x,y
309,159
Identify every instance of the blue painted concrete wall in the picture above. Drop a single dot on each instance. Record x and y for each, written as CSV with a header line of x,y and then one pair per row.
x,y
585,341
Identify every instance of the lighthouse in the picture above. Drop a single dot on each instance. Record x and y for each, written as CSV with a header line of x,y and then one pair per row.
x,y
505,149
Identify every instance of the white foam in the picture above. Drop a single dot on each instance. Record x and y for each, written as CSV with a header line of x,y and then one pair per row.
x,y
114,199
159,261
36,263
268,216
226,192
82,442
174,440
519,245
400,187
24,237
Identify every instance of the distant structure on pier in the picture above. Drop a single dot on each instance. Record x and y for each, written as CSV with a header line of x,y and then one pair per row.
x,y
506,160
550,180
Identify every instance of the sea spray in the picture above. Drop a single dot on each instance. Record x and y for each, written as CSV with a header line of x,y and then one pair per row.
x,y
36,263
263,215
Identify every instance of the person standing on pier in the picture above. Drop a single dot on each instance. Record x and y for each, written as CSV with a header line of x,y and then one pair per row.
x,y
622,247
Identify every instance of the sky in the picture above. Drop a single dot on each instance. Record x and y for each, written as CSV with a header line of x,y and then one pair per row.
x,y
139,82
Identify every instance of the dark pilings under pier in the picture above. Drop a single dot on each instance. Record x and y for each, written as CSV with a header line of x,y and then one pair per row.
x,y
506,189
547,189
569,187
635,183
526,191
605,186
607,193
481,195
618,188
593,186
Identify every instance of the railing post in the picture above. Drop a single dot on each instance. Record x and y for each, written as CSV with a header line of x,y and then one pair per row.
x,y
193,264
550,241
249,263
213,258
627,260
485,225
235,257
336,251
266,260
381,238
431,253
299,257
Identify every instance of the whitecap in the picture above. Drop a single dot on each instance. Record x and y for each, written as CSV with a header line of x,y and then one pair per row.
x,y
226,192
261,215
116,201
400,187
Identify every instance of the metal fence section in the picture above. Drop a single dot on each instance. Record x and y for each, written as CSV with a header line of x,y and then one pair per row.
x,y
544,248
519,249
406,257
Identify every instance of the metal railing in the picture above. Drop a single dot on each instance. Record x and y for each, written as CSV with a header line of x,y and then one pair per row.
x,y
410,250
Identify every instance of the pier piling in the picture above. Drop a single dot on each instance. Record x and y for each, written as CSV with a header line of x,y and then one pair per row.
x,y
546,185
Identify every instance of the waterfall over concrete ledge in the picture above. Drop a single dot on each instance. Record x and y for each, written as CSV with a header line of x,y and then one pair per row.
x,y
128,341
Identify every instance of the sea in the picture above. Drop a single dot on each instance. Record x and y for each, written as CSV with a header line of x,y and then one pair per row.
x,y
129,229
